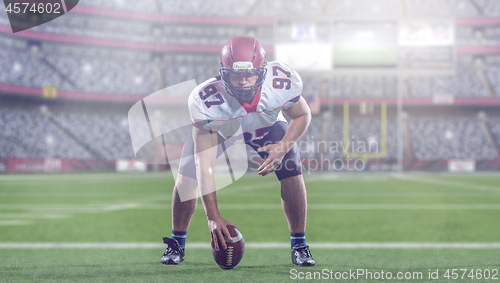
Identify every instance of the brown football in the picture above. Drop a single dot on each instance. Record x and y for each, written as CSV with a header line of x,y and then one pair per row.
x,y
231,256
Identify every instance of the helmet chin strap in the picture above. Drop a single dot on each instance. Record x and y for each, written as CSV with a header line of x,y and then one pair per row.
x,y
244,97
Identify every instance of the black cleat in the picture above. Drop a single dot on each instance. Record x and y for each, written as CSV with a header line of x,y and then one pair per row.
x,y
174,254
301,255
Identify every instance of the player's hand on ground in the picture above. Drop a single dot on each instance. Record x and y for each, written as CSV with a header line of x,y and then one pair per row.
x,y
218,231
273,160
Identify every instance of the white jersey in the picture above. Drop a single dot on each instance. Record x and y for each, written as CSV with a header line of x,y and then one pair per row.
x,y
211,107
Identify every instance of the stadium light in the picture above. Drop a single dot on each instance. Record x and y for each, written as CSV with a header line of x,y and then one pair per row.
x,y
448,135
87,68
124,123
17,67
481,115
35,49
44,109
138,80
49,140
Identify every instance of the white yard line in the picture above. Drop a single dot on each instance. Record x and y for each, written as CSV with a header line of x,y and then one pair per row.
x,y
82,176
406,245
405,206
194,245
355,206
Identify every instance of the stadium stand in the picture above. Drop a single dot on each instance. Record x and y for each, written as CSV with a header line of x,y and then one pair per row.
x,y
449,137
494,125
466,82
364,8
76,133
109,28
100,27
304,9
213,34
82,69
314,85
290,8
489,8
178,68
446,8
194,7
342,8
23,66
103,71
363,86
478,35
492,72
108,135
30,134
228,8
150,6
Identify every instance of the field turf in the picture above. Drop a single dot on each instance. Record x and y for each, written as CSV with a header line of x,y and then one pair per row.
x,y
105,227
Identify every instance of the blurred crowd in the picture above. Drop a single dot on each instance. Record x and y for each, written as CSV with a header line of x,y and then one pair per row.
x,y
122,71
63,134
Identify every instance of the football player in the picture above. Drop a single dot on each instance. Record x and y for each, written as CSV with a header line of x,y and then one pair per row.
x,y
251,94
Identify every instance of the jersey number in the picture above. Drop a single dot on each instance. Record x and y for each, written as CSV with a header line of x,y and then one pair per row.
x,y
247,136
211,90
280,83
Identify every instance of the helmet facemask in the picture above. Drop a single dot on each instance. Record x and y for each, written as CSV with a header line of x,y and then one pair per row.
x,y
243,68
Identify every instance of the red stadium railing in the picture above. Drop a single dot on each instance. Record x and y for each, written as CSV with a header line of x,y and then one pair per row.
x,y
38,92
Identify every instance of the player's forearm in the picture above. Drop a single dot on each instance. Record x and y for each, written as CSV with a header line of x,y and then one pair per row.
x,y
296,129
210,205
301,117
205,156
206,181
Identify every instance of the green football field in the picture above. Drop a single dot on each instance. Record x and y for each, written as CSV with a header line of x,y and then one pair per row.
x,y
362,227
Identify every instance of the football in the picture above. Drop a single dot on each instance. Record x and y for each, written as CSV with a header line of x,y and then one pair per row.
x,y
231,256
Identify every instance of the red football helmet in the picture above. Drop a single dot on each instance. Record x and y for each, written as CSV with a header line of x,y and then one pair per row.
x,y
243,55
